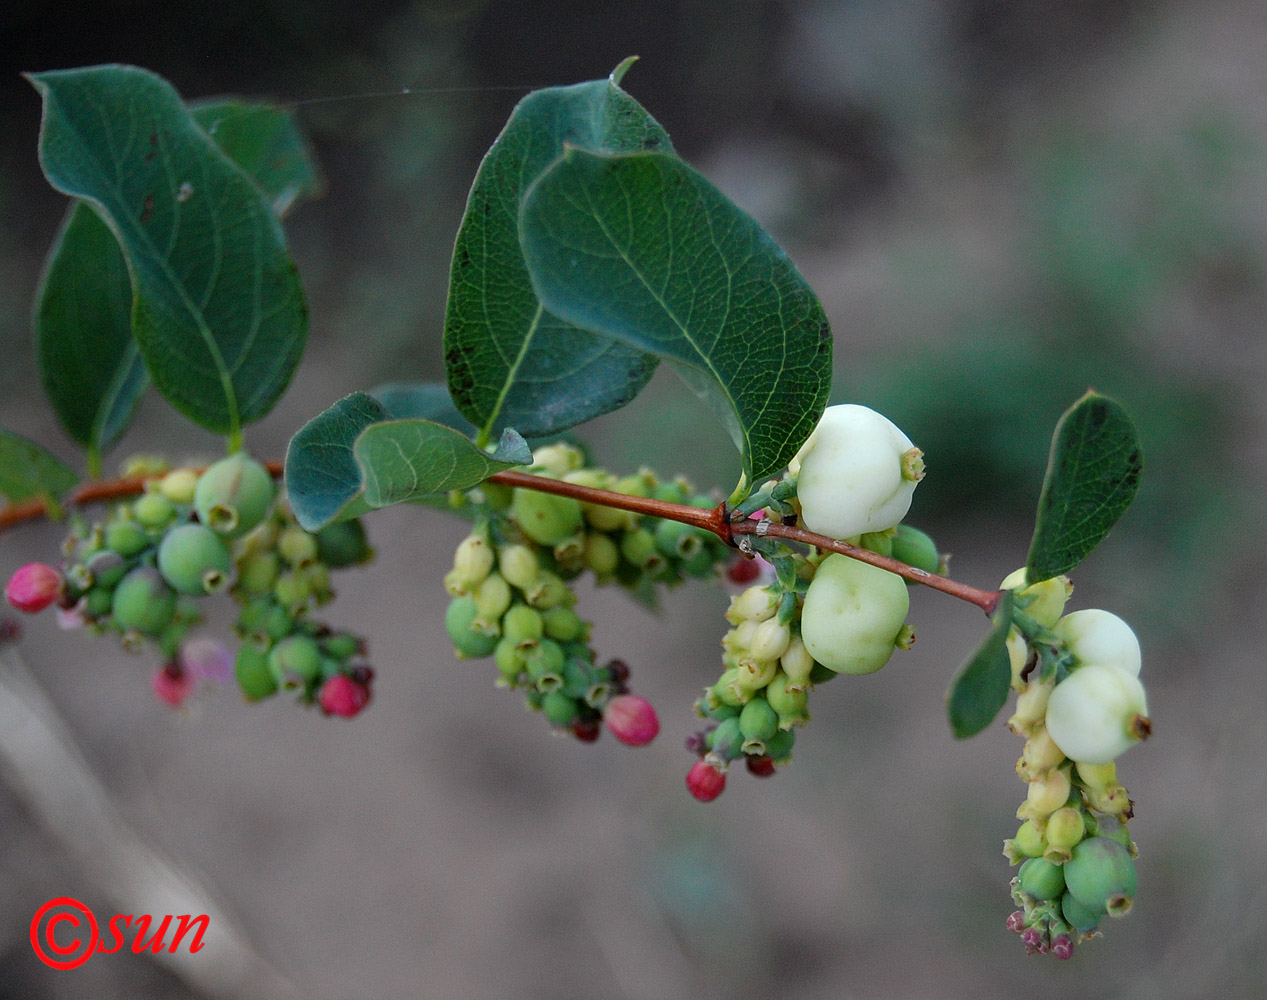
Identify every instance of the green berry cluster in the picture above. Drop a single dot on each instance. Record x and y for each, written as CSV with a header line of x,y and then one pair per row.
x,y
510,582
142,573
1073,846
825,614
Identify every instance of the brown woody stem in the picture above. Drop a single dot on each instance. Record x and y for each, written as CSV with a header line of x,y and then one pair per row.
x,y
714,519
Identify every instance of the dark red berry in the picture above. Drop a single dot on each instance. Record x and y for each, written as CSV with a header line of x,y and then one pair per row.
x,y
343,696
761,766
587,728
705,781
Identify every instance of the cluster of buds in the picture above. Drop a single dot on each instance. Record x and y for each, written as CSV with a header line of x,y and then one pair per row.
x,y
142,573
1079,706
511,597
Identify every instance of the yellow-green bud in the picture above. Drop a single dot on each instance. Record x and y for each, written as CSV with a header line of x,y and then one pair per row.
x,y
1065,827
1046,598
472,561
797,664
770,640
1040,754
754,604
519,566
179,485
1047,793
602,555
1031,707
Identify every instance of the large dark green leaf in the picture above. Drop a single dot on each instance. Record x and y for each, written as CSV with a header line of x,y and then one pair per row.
x,y
980,688
1092,476
217,310
644,249
264,141
509,362
354,457
89,363
28,471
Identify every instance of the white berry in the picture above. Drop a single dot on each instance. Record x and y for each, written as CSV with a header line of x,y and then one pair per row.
x,y
1100,637
1096,713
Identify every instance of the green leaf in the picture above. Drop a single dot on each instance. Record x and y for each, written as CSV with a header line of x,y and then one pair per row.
x,y
353,458
509,362
427,400
28,471
1092,476
980,688
264,141
89,363
217,310
644,249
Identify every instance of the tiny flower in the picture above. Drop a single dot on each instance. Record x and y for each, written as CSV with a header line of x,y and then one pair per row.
x,y
33,587
631,720
206,660
343,696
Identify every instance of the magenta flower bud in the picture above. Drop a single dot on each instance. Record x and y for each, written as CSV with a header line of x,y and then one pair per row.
x,y
172,685
631,720
207,660
33,587
1034,940
705,780
1016,921
1062,946
343,696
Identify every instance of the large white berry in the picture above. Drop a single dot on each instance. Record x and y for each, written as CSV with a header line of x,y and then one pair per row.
x,y
1096,713
1100,637
856,473
852,615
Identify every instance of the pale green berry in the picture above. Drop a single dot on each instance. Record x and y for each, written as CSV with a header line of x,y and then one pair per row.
x,y
788,703
179,485
770,640
754,604
1065,828
1101,876
295,661
1046,793
343,544
1096,713
519,566
852,615
1100,637
856,473
128,538
472,561
797,663
915,548
234,494
254,675
602,555
194,560
467,643
1041,879
297,547
143,602
545,518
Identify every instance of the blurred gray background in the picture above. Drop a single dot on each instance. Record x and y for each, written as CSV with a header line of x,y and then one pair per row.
x,y
1000,204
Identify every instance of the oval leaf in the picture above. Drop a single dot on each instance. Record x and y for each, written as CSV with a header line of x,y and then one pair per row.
x,y
90,366
28,471
509,362
1092,476
265,142
217,311
353,458
644,249
980,688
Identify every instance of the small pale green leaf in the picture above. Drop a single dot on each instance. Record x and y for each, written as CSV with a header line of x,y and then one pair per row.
x,y
1092,476
644,249
89,363
354,457
512,448
217,312
508,361
28,470
980,688
264,141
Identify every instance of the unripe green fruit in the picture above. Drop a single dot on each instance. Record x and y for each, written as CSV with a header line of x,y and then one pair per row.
x,y
639,549
1100,637
492,598
194,560
1096,713
523,625
770,640
853,473
127,538
153,511
519,566
258,572
341,646
295,661
255,676
509,660
779,746
545,662
97,602
545,518
602,555
143,602
789,704
1065,828
727,739
559,709
852,615
297,547
754,604
1029,842
292,591
913,547
179,486
472,561
1101,876
107,568
549,591
558,459
758,720
726,691
1047,598
343,544
1042,879
234,494
467,643
797,663
677,540
1046,793
1077,916
563,624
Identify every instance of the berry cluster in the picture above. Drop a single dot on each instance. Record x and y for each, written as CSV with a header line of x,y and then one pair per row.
x,y
1080,705
824,615
512,600
142,572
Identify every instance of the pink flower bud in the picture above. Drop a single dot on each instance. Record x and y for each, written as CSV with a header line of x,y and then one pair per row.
x,y
33,587
172,685
631,720
705,781
1062,946
206,660
343,696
